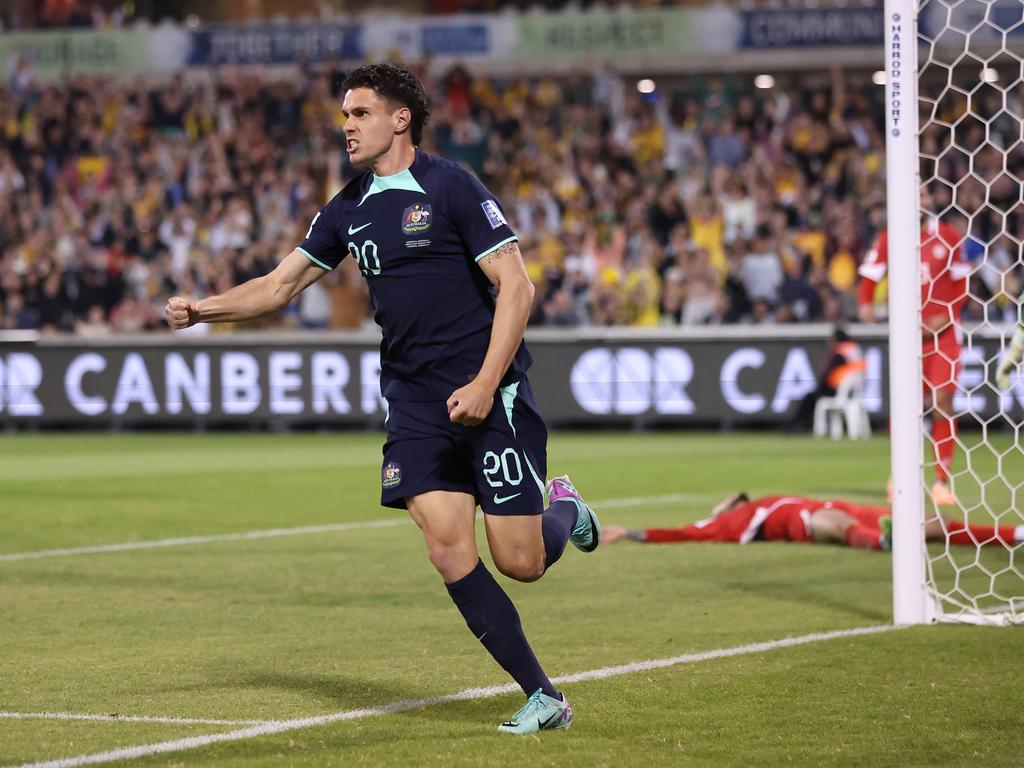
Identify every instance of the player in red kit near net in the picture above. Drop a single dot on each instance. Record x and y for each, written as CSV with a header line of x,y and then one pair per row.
x,y
739,520
943,293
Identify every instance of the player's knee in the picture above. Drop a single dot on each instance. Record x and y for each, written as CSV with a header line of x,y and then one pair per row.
x,y
452,561
522,566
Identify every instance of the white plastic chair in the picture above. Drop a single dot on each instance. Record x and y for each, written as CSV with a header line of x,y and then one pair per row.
x,y
846,405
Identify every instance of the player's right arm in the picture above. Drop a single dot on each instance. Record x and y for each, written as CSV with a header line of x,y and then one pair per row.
x,y
320,252
254,298
871,272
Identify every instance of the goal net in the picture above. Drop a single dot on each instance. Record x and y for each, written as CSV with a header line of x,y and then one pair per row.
x,y
956,163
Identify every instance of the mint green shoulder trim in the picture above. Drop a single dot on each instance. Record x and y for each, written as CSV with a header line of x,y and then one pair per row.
x,y
313,258
492,249
401,180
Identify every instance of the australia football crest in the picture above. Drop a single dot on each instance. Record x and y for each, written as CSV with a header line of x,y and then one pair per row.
x,y
392,475
416,218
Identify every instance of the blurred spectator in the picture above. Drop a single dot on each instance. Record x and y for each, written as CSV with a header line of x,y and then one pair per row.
x,y
94,325
761,269
799,302
703,294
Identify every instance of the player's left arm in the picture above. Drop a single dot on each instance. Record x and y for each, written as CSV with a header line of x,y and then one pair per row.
x,y
504,267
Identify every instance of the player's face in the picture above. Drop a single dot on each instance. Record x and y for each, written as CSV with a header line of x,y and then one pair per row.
x,y
370,126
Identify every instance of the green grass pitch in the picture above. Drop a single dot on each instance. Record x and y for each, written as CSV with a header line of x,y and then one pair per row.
x,y
304,625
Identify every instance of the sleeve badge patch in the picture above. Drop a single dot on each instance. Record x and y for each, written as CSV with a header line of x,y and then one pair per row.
x,y
494,214
416,218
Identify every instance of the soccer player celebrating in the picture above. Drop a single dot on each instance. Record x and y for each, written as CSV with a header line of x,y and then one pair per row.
x,y
462,426
943,293
740,520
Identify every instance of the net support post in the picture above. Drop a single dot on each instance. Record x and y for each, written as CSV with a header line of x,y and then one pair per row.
x,y
910,602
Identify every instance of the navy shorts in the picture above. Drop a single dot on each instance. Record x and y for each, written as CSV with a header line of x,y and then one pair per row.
x,y
502,462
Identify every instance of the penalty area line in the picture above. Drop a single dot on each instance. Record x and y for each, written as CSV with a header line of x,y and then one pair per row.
x,y
273,533
281,726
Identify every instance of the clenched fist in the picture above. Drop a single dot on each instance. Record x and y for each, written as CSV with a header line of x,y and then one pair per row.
x,y
181,313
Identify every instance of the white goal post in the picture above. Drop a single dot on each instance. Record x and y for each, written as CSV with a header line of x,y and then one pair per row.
x,y
910,601
954,70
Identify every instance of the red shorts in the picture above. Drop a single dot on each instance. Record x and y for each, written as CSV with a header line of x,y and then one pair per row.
x,y
940,360
792,522
863,514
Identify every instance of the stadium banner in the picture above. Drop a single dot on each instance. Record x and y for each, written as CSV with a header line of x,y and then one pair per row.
x,y
608,35
470,38
62,53
732,378
812,27
276,44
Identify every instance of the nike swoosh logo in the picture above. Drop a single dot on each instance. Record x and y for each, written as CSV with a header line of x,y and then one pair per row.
x,y
545,723
352,230
502,499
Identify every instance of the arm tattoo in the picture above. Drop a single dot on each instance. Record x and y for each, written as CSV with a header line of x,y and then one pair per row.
x,y
506,250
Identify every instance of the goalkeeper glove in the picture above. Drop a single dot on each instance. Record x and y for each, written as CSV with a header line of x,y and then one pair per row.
x,y
1010,360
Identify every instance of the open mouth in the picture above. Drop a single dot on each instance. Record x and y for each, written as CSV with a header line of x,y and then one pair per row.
x,y
351,145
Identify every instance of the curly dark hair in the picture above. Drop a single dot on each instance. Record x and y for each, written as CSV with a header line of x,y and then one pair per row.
x,y
396,85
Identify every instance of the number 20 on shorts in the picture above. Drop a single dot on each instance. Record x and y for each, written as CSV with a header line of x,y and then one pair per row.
x,y
507,463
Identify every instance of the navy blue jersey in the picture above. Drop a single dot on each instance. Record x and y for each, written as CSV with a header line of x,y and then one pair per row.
x,y
417,236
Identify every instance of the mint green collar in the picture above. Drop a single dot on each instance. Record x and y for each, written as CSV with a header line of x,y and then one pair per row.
x,y
401,180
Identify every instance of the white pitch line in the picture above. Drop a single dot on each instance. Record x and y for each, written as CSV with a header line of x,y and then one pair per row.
x,y
281,726
274,533
180,541
115,718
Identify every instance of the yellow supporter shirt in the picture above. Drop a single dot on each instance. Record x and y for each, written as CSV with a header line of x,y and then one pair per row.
x,y
643,288
648,144
811,242
708,234
842,270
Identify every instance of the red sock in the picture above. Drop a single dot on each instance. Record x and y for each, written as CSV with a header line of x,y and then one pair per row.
x,y
943,432
863,537
972,535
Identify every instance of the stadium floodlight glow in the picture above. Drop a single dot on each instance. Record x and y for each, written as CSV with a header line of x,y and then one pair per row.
x,y
645,86
989,75
879,78
764,82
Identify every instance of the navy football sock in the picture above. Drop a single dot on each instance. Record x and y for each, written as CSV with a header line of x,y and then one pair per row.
x,y
494,621
556,524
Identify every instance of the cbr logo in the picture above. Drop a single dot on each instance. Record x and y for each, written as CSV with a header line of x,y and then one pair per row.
x,y
632,380
21,374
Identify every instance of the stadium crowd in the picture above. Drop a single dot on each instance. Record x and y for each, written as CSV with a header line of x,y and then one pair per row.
x,y
710,202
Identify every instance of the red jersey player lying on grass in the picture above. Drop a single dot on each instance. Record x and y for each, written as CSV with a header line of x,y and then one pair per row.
x,y
740,520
